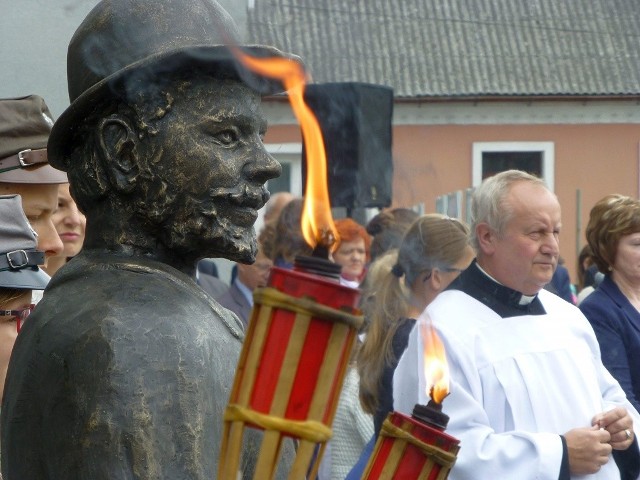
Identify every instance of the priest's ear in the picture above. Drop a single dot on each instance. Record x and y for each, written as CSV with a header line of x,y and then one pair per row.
x,y
117,144
486,237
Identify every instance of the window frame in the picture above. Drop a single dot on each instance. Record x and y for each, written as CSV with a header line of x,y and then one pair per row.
x,y
546,148
290,153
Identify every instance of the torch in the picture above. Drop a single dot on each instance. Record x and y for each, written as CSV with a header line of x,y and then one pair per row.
x,y
417,446
302,327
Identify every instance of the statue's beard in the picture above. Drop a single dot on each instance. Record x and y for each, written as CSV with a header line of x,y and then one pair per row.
x,y
195,228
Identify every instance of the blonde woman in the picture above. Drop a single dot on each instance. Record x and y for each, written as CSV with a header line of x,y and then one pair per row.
x,y
70,224
398,288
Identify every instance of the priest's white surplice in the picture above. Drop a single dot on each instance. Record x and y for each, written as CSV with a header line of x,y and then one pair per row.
x,y
517,384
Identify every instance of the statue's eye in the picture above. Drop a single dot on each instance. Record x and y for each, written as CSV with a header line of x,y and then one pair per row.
x,y
227,138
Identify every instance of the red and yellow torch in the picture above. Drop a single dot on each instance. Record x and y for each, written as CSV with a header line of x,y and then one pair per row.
x,y
416,446
302,327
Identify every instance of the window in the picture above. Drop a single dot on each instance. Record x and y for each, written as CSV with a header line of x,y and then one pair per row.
x,y
536,158
290,157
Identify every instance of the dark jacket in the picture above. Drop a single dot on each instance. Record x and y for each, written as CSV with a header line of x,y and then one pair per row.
x,y
385,395
617,326
234,300
561,284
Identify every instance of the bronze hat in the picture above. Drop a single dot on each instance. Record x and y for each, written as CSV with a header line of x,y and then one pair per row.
x,y
25,124
122,42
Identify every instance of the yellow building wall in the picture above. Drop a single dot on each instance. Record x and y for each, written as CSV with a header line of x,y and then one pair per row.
x,y
434,160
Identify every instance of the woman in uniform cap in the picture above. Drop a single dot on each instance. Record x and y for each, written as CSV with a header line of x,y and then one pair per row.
x,y
19,275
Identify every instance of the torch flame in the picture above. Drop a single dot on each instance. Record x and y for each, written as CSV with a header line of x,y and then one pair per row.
x,y
317,223
436,368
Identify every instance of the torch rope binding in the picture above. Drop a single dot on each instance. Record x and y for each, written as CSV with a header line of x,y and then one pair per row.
x,y
442,457
310,430
272,297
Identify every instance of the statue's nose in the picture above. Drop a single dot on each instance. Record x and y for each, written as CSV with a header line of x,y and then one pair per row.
x,y
263,167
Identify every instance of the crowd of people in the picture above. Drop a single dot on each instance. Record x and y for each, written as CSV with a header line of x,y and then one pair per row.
x,y
481,286
38,211
485,288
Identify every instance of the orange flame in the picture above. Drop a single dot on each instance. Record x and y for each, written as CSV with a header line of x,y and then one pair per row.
x,y
317,222
436,368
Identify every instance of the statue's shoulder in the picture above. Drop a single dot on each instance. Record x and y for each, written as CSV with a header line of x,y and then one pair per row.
x,y
150,291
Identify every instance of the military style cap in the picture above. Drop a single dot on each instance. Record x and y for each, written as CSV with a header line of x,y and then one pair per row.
x,y
19,258
25,124
132,42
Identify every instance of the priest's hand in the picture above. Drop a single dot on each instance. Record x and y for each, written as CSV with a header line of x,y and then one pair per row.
x,y
619,424
588,449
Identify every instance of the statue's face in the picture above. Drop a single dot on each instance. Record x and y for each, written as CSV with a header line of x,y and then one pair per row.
x,y
208,167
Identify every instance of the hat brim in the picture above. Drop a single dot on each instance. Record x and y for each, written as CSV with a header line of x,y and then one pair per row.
x,y
44,174
24,279
218,60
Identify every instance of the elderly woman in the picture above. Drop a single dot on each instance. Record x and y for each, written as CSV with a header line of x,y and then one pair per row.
x,y
352,252
352,427
613,308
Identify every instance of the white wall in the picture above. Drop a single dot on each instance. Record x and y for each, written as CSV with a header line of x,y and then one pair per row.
x,y
34,35
33,47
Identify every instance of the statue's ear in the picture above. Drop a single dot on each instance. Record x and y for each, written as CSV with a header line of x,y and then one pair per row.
x,y
120,161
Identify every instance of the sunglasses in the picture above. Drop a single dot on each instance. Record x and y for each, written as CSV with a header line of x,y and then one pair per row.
x,y
20,315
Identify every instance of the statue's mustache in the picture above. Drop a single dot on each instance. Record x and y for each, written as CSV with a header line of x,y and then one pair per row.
x,y
244,196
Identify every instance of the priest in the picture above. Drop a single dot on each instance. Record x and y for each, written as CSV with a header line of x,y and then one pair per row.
x,y
529,396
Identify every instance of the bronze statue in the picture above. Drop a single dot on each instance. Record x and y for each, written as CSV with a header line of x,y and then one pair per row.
x,y
125,367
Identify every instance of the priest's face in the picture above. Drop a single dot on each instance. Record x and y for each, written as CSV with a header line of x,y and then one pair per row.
x,y
208,168
524,256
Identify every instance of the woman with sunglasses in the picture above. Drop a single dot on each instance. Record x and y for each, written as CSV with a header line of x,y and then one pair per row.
x,y
19,275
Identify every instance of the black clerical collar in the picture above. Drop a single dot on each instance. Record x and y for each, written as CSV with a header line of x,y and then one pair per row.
x,y
503,300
